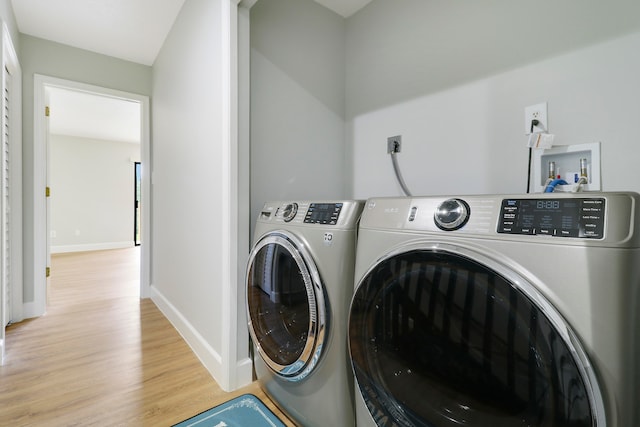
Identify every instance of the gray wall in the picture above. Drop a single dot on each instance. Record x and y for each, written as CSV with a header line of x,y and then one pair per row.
x,y
402,50
197,226
39,56
187,169
454,79
93,191
297,102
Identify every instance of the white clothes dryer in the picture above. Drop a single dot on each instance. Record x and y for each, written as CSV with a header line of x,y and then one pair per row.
x,y
299,285
515,310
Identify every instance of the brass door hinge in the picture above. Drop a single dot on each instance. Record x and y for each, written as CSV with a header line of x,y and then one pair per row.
x,y
47,111
48,271
47,192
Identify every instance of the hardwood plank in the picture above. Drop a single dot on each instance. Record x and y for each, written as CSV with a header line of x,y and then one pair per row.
x,y
103,357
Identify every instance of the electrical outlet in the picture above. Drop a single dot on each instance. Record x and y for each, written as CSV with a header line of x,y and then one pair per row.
x,y
536,112
394,144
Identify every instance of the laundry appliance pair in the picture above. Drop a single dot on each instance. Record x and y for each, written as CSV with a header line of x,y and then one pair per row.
x,y
501,310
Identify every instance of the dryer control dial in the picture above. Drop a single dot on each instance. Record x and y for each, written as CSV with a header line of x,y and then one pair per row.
x,y
289,212
452,214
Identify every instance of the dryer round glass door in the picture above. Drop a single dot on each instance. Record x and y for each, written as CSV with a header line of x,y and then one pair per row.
x,y
285,305
445,336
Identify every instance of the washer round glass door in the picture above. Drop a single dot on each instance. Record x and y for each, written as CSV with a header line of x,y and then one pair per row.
x,y
285,305
445,336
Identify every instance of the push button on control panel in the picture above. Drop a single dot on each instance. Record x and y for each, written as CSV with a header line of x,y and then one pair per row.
x,y
592,218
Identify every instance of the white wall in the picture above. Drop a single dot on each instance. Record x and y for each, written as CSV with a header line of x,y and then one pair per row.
x,y
92,198
297,102
43,57
453,80
193,188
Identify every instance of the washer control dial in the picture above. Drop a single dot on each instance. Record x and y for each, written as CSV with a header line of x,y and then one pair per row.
x,y
289,212
452,214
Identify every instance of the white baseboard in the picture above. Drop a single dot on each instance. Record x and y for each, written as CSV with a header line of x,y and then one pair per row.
x,y
29,311
244,372
91,247
209,357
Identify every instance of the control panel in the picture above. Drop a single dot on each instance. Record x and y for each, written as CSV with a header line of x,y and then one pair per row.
x,y
575,217
323,213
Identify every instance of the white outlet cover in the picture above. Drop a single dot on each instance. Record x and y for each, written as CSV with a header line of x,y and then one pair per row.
x,y
537,111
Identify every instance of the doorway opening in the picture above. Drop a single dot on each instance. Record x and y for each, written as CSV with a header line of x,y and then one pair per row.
x,y
43,86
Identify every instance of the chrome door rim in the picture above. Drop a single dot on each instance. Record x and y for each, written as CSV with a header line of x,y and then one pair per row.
x,y
565,331
316,332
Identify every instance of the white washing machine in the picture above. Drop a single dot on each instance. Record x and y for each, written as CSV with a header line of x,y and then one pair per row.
x,y
299,285
498,311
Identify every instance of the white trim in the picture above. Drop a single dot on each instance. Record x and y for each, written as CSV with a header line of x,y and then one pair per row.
x,y
60,249
38,306
235,28
211,359
41,82
244,375
229,227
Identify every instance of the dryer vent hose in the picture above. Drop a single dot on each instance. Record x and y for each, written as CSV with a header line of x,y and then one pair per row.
x,y
396,169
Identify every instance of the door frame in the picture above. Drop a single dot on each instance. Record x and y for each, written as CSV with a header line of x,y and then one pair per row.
x,y
137,221
41,165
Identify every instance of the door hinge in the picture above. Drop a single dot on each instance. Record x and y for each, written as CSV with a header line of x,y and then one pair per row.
x,y
48,271
47,111
47,192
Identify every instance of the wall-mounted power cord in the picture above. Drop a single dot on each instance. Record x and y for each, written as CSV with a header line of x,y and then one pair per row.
x,y
393,148
534,123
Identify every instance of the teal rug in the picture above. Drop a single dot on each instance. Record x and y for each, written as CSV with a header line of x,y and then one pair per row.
x,y
243,411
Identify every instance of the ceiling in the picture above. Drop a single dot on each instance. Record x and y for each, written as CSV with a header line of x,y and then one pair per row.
x,y
93,116
345,8
132,30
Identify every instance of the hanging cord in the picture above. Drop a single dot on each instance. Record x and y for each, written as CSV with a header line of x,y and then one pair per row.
x,y
529,172
534,123
396,168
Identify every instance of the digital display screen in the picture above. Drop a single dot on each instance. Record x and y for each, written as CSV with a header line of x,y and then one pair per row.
x,y
323,213
574,217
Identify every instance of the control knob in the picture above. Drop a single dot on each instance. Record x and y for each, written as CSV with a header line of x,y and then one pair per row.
x,y
289,212
452,214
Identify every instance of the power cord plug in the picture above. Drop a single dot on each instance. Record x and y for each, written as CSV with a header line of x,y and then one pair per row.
x,y
534,123
396,147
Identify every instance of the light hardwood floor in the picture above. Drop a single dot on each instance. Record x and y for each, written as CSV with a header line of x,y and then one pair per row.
x,y
101,356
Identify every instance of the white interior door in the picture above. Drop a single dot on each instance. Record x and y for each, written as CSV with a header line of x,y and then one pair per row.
x,y
10,189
